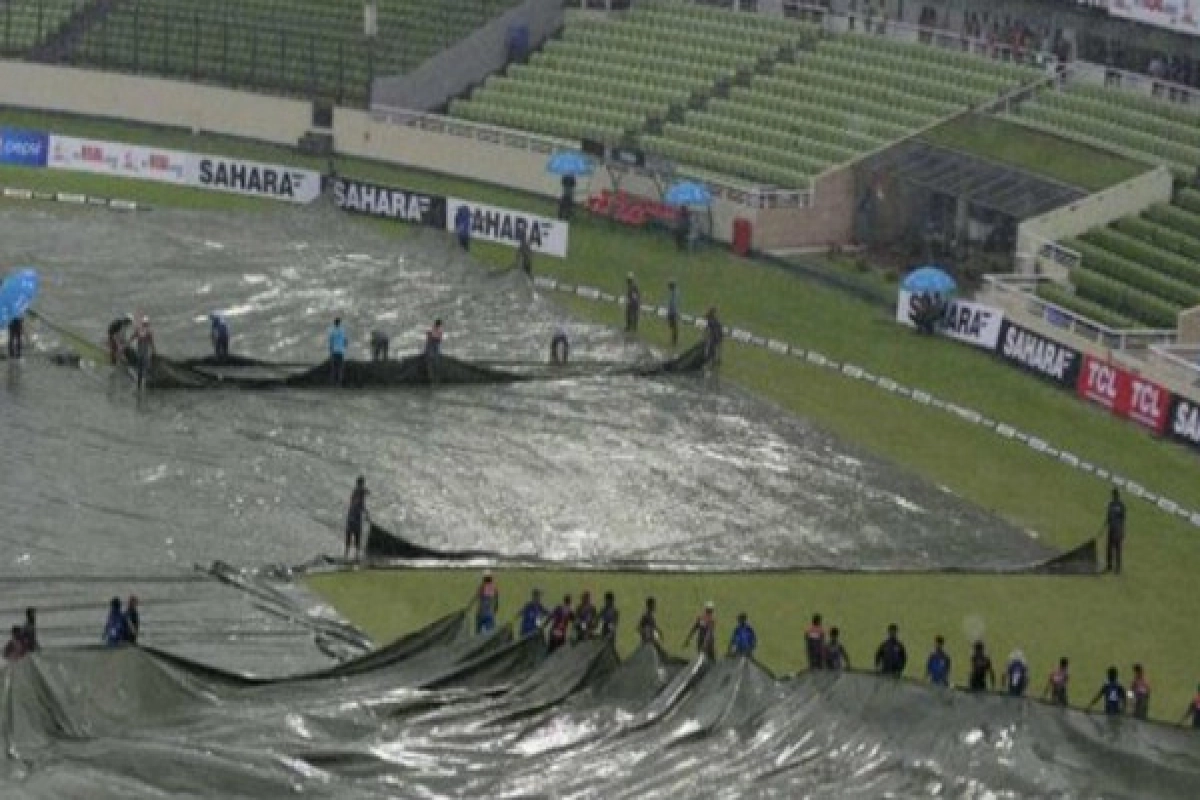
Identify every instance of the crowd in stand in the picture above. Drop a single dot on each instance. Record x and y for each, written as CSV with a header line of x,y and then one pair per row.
x,y
567,623
121,628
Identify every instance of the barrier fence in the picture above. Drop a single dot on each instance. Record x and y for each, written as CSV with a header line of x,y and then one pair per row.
x,y
1022,290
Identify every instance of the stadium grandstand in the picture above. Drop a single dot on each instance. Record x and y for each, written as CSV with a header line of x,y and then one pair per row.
x,y
310,48
764,100
1139,126
1141,271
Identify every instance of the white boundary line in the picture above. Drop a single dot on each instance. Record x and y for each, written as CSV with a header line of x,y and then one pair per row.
x,y
918,396
10,193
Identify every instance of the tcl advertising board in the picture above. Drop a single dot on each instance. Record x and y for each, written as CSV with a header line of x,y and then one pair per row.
x,y
1125,394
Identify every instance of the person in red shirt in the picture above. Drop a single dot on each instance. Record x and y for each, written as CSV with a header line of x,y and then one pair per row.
x,y
1140,688
1056,684
560,624
814,643
705,631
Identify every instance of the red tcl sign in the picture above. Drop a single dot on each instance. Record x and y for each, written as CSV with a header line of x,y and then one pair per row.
x,y
1125,394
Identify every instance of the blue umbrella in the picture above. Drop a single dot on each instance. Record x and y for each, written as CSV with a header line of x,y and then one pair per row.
x,y
16,294
569,162
929,280
688,193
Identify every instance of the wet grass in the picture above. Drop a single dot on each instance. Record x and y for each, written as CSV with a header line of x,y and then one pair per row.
x,y
1034,151
1143,616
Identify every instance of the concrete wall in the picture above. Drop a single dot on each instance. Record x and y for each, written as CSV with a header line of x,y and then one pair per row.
x,y
154,100
454,70
829,221
1130,197
355,133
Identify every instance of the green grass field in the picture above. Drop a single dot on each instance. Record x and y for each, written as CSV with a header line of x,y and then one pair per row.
x,y
1143,616
1016,145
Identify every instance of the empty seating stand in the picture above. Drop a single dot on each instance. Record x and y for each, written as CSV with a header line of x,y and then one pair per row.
x,y
764,99
24,24
305,47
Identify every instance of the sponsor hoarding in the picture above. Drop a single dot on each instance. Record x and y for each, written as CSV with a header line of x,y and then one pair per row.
x,y
1035,353
360,197
1123,393
256,179
964,320
118,160
1176,15
1183,422
505,226
24,148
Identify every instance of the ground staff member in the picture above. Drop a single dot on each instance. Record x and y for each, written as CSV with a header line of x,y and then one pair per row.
x,y
1114,522
337,352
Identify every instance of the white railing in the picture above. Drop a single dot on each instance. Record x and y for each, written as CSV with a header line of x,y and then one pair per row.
x,y
747,195
1022,290
1184,359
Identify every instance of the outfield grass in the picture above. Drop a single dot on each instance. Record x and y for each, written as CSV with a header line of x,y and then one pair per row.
x,y
1054,157
1144,615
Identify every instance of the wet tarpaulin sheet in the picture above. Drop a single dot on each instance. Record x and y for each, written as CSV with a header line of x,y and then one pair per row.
x,y
384,547
418,370
443,713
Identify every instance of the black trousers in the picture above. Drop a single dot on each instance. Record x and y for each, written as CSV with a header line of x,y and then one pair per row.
x,y
1114,544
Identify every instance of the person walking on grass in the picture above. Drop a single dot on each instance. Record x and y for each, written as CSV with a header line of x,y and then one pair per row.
x,y
356,515
673,311
704,630
1140,689
1193,711
814,643
487,604
1057,683
1113,695
648,630
1016,674
633,304
836,657
982,677
743,641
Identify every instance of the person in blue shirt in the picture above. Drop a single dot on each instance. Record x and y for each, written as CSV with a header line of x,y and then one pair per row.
x,y
337,352
220,337
743,641
1016,674
462,226
533,614
673,311
115,630
1113,695
937,667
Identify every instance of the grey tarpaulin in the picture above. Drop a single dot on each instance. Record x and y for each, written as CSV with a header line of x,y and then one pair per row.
x,y
442,713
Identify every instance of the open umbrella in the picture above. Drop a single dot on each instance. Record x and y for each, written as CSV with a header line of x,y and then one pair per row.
x,y
688,193
569,162
928,280
17,292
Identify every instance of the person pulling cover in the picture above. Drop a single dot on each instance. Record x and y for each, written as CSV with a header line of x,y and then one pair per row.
x,y
16,337
379,346
714,332
560,347
143,345
356,513
220,336
116,337
337,352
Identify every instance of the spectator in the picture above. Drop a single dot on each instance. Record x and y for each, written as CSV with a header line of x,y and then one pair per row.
x,y
114,627
1140,689
891,657
814,643
533,614
133,620
744,640
560,623
487,604
15,649
1056,684
648,626
704,629
1016,674
982,677
29,637
585,617
609,616
1112,693
1114,523
937,666
836,657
